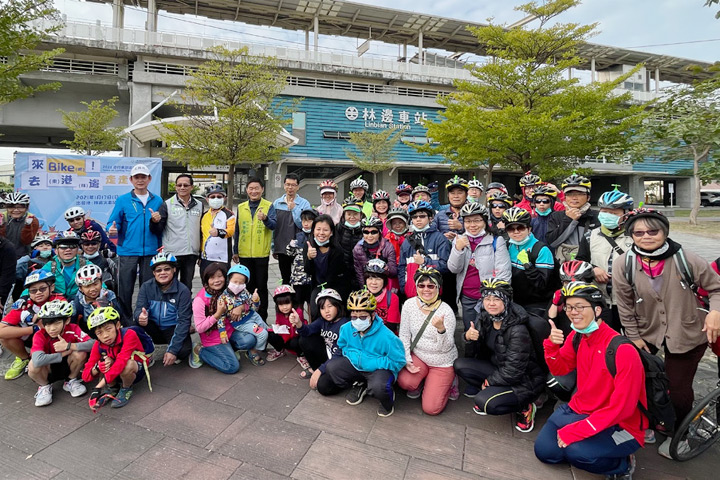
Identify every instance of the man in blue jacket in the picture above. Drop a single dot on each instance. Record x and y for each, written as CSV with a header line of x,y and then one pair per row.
x,y
129,222
164,309
287,223
371,357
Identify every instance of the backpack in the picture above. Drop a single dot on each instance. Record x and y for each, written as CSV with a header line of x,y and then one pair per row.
x,y
554,282
659,412
145,339
687,279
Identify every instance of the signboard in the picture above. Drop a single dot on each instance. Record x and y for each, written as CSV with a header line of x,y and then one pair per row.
x,y
57,182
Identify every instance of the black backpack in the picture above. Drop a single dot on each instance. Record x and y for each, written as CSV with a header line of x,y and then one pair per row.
x,y
659,412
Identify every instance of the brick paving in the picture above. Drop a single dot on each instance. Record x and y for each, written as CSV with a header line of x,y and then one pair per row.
x,y
265,423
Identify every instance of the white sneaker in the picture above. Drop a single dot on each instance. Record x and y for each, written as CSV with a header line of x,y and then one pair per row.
x,y
75,387
664,448
43,396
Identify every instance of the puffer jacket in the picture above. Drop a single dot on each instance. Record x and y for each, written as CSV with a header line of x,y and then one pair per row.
x,y
491,260
347,238
512,354
378,349
385,252
435,247
171,308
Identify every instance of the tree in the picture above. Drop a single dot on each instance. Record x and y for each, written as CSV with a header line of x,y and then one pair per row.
x,y
374,151
93,134
24,24
233,114
710,3
684,123
521,111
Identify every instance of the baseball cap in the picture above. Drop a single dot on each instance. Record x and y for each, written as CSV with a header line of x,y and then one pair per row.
x,y
140,169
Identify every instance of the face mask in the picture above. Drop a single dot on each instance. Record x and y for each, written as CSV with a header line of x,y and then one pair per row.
x,y
472,199
419,230
545,213
306,230
587,330
46,253
327,204
608,220
361,324
351,225
521,242
481,234
322,244
90,257
216,203
401,232
236,288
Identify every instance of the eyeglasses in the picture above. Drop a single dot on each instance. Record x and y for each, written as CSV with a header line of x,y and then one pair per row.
x,y
35,291
642,233
16,207
66,247
360,317
163,269
222,197
576,308
182,185
370,232
419,215
498,205
515,228
542,202
426,286
473,221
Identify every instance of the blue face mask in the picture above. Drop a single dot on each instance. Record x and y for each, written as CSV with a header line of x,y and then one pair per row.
x,y
46,253
361,324
608,220
351,225
587,330
416,229
322,244
306,230
521,242
545,213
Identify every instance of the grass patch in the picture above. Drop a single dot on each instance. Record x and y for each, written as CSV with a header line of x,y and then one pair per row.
x,y
704,229
704,212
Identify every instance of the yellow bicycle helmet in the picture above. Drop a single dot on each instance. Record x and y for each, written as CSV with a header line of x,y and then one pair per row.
x,y
100,316
362,300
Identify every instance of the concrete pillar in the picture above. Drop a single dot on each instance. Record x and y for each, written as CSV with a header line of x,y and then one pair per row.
x,y
407,60
151,23
657,79
421,55
570,73
592,70
140,104
316,32
307,40
118,10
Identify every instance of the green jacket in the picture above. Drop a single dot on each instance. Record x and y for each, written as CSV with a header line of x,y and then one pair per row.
x,y
254,237
65,276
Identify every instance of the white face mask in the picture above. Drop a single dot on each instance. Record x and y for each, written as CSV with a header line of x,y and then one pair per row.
x,y
216,203
236,288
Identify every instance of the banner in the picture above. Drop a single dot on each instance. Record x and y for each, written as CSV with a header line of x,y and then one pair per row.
x,y
58,182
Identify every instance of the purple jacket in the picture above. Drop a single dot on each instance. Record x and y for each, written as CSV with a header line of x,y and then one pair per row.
x,y
361,255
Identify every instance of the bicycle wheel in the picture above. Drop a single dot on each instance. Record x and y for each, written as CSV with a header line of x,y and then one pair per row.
x,y
700,429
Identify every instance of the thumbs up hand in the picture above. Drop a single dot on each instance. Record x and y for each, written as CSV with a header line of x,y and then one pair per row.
x,y
461,241
143,318
155,216
472,334
112,231
255,296
261,215
556,335
312,251
295,319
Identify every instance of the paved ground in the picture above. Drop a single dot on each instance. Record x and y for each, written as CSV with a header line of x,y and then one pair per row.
x,y
265,423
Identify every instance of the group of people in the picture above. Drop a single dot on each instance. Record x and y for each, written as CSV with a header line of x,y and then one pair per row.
x,y
372,291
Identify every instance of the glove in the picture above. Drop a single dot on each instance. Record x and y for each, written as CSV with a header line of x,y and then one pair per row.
x,y
93,400
523,257
557,299
101,367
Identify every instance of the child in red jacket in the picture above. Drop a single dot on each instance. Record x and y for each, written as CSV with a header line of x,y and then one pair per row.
x,y
284,336
118,354
388,304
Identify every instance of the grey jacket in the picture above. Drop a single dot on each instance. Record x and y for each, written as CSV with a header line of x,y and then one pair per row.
x,y
179,226
490,260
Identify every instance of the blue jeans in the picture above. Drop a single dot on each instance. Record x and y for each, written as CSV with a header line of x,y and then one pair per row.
x,y
249,327
222,356
605,453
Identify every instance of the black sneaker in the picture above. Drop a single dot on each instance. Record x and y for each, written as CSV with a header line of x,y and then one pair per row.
x,y
624,476
356,395
383,412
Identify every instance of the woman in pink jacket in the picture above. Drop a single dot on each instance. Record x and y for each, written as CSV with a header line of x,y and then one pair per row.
x,y
218,338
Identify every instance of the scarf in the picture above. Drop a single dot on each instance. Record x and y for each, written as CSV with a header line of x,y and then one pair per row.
x,y
667,250
611,233
214,295
505,299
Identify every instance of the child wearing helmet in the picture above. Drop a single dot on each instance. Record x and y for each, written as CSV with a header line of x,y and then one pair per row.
x,y
497,204
403,192
388,305
328,200
359,189
543,201
373,245
90,243
299,279
164,309
318,340
117,357
426,332
475,190
242,311
91,295
18,326
59,350
78,223
42,252
284,335
349,233
371,357
602,426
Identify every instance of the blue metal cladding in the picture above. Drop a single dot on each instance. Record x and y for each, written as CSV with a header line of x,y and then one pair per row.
x,y
655,166
326,116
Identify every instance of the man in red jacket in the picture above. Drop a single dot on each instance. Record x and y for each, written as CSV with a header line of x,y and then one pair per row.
x,y
602,426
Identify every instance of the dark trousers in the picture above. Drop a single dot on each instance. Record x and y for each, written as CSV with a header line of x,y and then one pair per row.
x,y
186,269
449,291
285,265
605,453
680,369
302,295
258,279
314,349
342,375
163,336
493,400
128,270
279,343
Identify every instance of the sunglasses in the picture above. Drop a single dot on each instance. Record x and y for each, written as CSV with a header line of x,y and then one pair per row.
x,y
183,185
163,269
419,215
498,205
542,202
426,286
35,291
66,247
642,233
515,228
370,232
75,219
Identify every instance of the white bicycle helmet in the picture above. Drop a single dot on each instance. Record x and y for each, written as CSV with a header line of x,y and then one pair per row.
x,y
74,212
88,275
17,198
359,183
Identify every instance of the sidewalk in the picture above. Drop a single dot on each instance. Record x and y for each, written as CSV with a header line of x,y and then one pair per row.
x,y
265,423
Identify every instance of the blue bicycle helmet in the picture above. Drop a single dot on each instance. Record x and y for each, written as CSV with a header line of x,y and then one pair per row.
x,y
39,276
161,258
420,205
616,199
241,269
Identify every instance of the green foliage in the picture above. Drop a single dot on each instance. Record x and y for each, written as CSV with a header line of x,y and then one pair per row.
x,y
233,117
684,124
521,111
710,3
373,151
24,24
93,134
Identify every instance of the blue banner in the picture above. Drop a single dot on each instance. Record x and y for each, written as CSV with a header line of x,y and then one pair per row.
x,y
58,182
